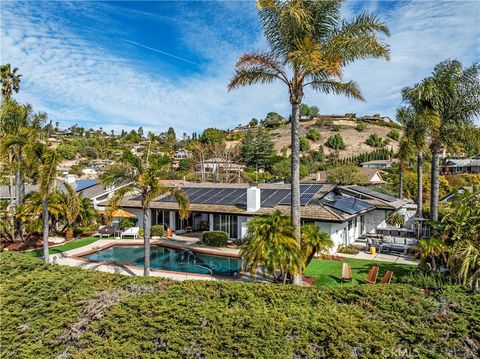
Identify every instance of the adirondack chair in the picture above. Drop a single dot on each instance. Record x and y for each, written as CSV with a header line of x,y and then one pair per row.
x,y
347,272
387,277
372,275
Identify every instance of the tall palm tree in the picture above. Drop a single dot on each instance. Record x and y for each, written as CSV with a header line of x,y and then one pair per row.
x,y
404,155
271,244
144,177
48,175
10,80
417,123
452,94
310,44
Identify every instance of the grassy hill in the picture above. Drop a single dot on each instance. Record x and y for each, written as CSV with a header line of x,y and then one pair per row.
x,y
354,139
50,311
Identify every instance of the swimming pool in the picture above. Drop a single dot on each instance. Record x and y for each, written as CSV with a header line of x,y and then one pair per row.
x,y
177,260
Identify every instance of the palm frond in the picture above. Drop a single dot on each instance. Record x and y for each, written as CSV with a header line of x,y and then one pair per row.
x,y
251,76
327,86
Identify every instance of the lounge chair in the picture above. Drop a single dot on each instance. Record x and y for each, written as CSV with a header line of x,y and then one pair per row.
x,y
347,272
105,231
131,232
372,275
387,277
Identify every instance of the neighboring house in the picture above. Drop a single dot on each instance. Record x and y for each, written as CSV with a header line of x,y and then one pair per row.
x,y
241,128
375,118
213,165
137,150
370,176
462,165
90,172
344,212
453,195
178,156
378,164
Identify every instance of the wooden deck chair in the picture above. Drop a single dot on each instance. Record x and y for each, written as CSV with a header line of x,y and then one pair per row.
x,y
372,275
387,277
347,272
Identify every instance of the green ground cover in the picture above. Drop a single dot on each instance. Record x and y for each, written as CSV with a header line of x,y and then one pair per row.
x,y
329,273
76,243
51,311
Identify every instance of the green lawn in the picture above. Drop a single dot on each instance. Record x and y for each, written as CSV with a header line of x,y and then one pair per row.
x,y
76,243
329,273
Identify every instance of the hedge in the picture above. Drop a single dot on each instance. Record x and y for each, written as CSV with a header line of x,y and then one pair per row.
x,y
157,230
50,311
215,238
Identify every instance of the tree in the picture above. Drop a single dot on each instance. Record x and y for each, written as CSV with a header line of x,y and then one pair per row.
x,y
271,245
314,241
394,135
10,80
253,122
256,149
304,144
375,140
309,39
344,175
405,152
451,94
212,136
273,120
48,174
144,177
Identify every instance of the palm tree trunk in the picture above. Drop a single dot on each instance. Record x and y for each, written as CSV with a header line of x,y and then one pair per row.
x,y
435,187
419,184
400,184
12,195
295,185
45,230
146,240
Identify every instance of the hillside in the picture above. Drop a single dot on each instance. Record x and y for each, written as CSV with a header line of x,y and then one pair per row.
x,y
51,311
354,139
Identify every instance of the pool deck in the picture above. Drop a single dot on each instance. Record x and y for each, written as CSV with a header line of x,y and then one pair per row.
x,y
73,258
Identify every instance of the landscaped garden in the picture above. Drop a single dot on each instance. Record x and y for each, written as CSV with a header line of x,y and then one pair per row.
x,y
60,311
76,243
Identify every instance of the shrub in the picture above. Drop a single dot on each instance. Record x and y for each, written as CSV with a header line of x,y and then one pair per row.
x,y
336,142
394,135
157,230
324,122
304,144
127,223
335,128
350,249
313,134
426,280
215,238
361,126
395,219
375,140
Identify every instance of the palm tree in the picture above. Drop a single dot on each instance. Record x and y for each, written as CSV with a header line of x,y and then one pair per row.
x,y
452,94
314,241
404,155
271,244
48,175
144,177
10,80
430,249
417,123
309,47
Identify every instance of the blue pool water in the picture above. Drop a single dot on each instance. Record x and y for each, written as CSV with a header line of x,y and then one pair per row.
x,y
169,259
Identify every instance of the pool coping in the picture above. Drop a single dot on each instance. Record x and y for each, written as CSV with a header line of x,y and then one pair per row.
x,y
94,249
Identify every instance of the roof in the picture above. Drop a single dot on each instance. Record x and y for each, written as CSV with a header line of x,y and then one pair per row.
x,y
366,175
379,162
378,199
320,207
87,187
463,162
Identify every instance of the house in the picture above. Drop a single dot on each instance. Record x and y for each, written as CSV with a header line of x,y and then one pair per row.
x,y
370,176
453,195
344,212
90,172
179,155
213,165
462,165
378,163
375,118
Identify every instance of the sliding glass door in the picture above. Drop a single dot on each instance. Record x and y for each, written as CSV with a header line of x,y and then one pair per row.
x,y
227,223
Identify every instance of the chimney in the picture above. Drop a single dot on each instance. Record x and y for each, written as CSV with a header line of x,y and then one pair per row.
x,y
70,179
253,199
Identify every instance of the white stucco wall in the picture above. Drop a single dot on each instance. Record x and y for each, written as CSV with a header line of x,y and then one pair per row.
x,y
242,226
375,219
138,214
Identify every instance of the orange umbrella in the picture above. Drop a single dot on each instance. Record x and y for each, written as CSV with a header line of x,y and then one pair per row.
x,y
122,213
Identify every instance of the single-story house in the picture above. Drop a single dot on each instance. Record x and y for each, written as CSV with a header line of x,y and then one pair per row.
x,y
378,163
213,165
370,176
452,196
344,212
459,165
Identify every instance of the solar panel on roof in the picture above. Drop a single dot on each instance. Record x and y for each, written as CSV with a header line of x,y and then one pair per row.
x,y
273,199
233,197
307,192
217,195
373,193
350,205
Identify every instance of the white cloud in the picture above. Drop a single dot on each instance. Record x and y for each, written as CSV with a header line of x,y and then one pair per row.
x,y
76,81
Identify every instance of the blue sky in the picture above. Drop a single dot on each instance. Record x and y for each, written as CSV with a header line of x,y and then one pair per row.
x,y
159,64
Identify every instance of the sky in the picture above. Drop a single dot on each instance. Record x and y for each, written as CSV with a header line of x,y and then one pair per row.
x,y
159,64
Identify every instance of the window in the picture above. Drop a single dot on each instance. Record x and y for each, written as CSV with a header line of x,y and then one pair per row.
x,y
227,223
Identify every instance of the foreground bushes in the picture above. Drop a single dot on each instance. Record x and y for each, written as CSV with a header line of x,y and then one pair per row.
x,y
215,238
147,317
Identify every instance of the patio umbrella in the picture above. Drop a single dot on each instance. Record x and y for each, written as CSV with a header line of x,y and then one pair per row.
x,y
122,213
